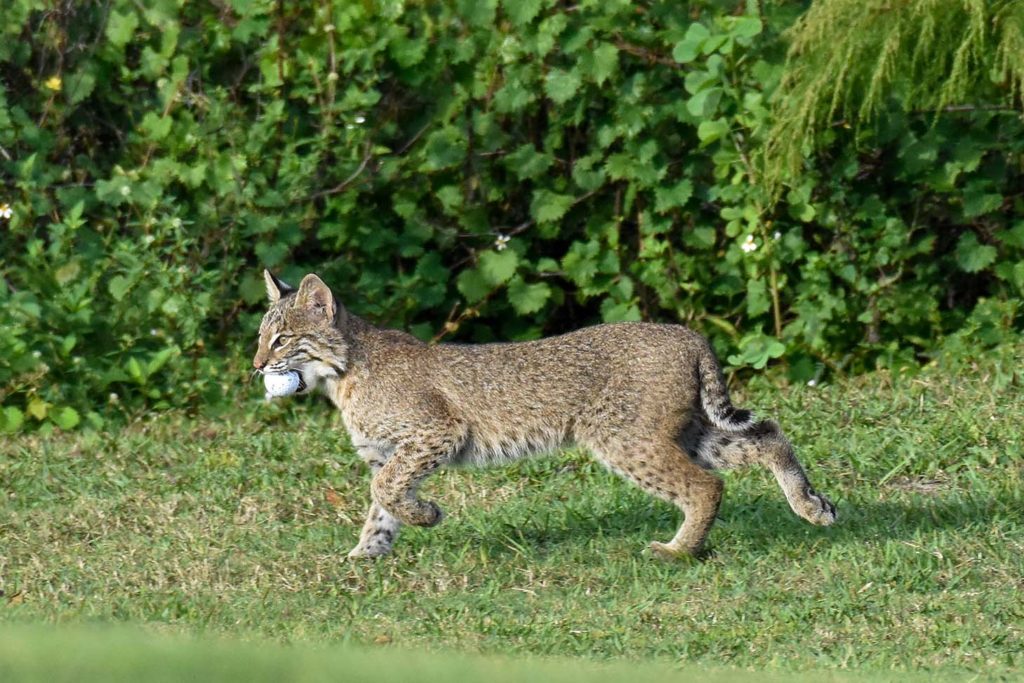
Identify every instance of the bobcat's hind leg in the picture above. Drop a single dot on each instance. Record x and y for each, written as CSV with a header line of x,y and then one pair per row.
x,y
802,498
762,444
663,470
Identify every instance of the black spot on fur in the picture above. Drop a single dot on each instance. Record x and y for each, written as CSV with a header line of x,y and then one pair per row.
x,y
740,415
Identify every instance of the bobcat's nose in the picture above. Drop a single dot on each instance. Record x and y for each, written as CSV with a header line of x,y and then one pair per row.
x,y
259,363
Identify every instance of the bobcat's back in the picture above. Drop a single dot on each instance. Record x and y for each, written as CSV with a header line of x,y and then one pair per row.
x,y
525,397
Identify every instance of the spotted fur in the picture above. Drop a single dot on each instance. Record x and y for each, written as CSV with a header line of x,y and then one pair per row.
x,y
647,400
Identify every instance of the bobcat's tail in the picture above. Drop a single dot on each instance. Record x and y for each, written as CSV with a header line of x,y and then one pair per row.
x,y
714,397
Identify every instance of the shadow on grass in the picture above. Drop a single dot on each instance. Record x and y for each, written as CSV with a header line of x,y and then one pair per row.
x,y
761,524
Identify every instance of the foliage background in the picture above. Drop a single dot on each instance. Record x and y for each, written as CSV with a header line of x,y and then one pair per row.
x,y
479,170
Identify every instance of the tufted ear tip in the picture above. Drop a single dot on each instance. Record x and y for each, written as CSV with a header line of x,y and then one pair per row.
x,y
275,287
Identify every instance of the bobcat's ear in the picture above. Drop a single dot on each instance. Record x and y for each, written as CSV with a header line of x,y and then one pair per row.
x,y
275,288
316,296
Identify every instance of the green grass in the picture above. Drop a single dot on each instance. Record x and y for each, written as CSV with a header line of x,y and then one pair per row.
x,y
238,526
119,654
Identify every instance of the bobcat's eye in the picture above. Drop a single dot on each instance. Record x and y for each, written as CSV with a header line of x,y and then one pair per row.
x,y
278,342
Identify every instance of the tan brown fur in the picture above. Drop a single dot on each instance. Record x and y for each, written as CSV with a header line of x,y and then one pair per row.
x,y
646,399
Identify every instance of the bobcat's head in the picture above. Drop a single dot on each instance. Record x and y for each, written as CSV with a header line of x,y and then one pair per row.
x,y
303,331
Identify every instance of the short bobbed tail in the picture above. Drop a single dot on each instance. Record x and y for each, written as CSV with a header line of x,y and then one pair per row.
x,y
714,397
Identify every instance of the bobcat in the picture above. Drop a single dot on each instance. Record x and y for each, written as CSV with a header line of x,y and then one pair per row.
x,y
648,400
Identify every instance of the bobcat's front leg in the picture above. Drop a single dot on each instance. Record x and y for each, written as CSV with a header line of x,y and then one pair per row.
x,y
394,486
378,534
381,528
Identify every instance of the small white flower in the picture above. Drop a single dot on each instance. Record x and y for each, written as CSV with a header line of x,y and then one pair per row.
x,y
175,223
329,28
501,241
148,239
360,119
812,382
5,211
113,398
153,332
333,76
37,354
777,235
749,245
125,190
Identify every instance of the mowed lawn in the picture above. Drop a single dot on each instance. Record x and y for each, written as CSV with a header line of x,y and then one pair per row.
x,y
238,526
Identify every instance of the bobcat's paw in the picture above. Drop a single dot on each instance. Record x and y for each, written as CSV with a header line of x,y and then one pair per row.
x,y
818,509
369,551
669,553
429,514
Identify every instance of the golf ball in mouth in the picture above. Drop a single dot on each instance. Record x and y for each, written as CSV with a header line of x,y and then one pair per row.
x,y
281,383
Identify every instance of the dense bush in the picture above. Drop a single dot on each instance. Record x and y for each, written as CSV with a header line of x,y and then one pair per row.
x,y
467,168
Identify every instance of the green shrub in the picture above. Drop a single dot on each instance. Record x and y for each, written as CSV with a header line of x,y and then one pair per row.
x,y
479,169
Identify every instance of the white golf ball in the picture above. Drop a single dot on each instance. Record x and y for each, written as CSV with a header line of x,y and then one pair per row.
x,y
281,384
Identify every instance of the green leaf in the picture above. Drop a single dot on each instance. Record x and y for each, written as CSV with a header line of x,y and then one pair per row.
x,y
1014,236
700,238
756,350
746,27
973,256
521,11
37,408
689,47
478,12
473,285
118,287
158,360
450,197
155,126
704,103
757,297
12,419
66,418
67,273
121,27
513,96
580,263
1012,273
407,52
613,311
528,298
977,202
134,370
444,148
668,198
548,207
526,162
561,85
498,267
709,131
620,166
79,86
430,268
606,61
